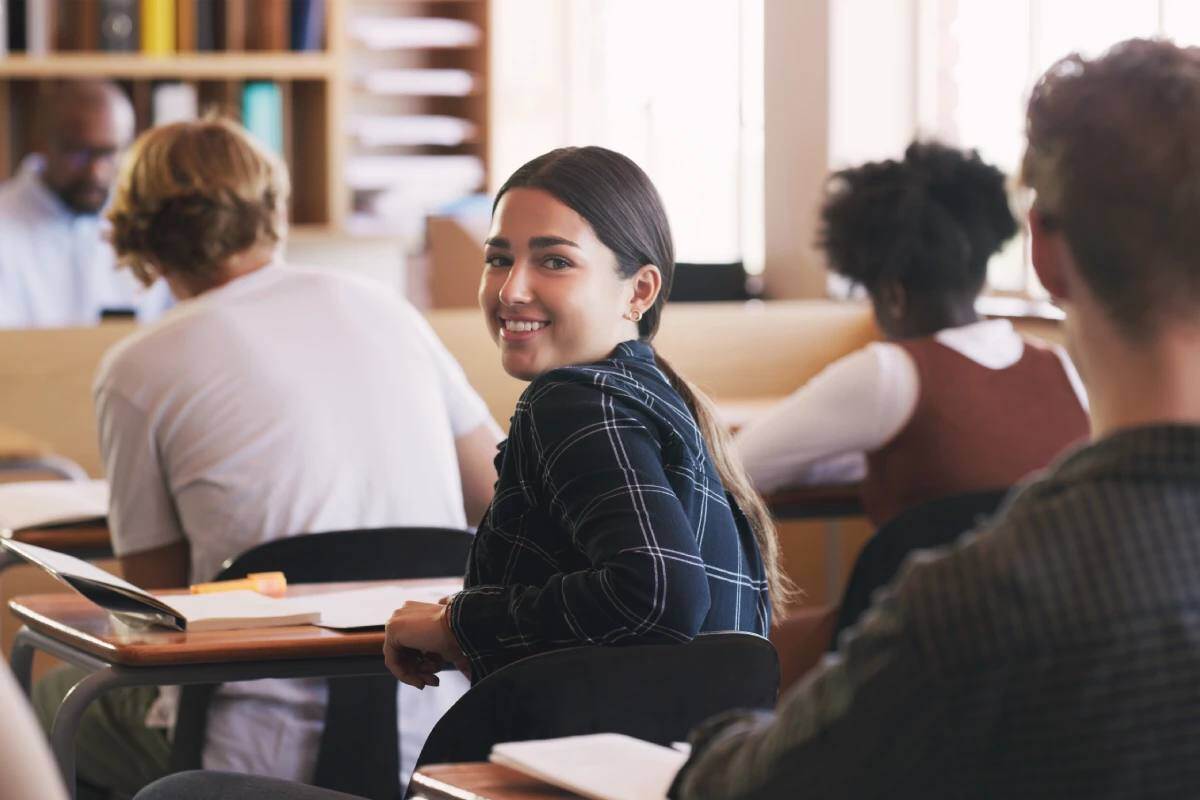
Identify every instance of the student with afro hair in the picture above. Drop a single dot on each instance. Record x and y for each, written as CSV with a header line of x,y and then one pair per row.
x,y
950,403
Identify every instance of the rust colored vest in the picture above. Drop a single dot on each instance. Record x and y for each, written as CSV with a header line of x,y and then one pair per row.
x,y
973,428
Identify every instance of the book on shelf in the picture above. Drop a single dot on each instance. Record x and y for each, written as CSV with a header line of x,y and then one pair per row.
x,y
268,26
185,26
601,766
401,33
262,113
158,27
40,18
344,609
119,25
231,25
206,15
174,101
15,25
429,82
78,26
308,24
37,504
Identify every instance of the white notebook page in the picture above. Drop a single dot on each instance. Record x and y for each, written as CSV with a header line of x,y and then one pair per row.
x,y
28,504
602,766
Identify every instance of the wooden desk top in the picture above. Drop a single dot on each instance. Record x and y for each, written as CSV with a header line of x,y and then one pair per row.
x,y
802,502
481,781
15,444
68,538
74,620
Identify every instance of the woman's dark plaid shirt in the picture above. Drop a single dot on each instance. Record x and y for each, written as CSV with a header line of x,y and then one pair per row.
x,y
609,524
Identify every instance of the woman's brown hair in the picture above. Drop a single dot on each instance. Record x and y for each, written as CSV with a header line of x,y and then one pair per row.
x,y
621,204
192,194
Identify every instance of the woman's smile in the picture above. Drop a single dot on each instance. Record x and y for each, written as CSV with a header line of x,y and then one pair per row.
x,y
521,329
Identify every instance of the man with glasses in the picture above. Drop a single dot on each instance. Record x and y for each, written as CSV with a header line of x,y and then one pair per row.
x,y
56,267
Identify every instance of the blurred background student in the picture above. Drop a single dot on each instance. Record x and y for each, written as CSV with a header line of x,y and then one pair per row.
x,y
56,266
951,403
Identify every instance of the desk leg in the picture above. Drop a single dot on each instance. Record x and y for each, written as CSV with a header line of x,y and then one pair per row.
x,y
69,714
21,660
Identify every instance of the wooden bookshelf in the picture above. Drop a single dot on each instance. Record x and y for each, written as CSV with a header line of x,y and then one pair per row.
x,y
310,83
320,90
469,106
185,66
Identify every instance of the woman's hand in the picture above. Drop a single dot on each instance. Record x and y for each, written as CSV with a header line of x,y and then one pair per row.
x,y
418,642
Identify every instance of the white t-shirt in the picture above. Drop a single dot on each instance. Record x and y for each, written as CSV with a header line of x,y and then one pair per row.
x,y
56,267
287,401
822,432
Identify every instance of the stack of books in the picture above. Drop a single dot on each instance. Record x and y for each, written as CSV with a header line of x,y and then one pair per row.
x,y
160,27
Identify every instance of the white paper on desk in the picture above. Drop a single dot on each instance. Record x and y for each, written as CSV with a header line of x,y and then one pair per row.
x,y
371,607
30,504
602,766
237,610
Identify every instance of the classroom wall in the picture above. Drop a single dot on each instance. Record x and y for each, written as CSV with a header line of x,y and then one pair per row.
x,y
796,56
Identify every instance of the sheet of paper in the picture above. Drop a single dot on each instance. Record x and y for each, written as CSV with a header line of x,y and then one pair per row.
x,y
237,610
434,82
603,766
370,607
28,504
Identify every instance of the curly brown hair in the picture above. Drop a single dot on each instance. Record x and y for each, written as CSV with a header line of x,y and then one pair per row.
x,y
1114,160
192,194
929,221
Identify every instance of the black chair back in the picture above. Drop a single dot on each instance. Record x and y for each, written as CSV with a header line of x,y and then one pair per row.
x,y
358,750
653,692
707,283
374,554
933,524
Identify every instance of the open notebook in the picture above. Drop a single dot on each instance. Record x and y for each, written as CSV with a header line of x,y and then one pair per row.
x,y
350,609
601,766
32,504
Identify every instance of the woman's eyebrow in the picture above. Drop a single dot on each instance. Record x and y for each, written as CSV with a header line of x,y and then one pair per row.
x,y
498,241
549,241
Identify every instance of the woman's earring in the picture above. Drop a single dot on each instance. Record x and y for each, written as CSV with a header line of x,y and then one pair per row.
x,y
633,315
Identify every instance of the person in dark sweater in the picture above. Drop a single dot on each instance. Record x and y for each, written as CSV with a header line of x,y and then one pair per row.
x,y
950,403
619,516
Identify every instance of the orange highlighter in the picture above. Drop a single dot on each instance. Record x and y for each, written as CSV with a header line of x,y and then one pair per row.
x,y
273,584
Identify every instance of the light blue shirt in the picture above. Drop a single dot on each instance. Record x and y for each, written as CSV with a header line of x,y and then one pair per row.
x,y
56,267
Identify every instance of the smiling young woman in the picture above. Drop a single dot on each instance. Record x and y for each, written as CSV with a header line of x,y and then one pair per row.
x,y
619,516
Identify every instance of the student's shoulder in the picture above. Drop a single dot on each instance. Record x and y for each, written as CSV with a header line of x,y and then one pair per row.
x,y
611,383
998,591
152,348
365,295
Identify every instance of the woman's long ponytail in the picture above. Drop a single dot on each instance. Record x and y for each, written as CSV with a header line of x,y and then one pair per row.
x,y
781,590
